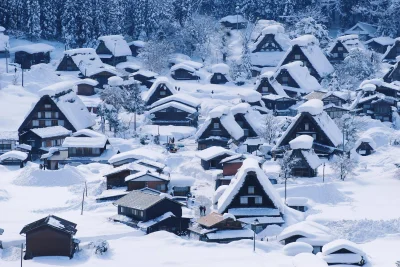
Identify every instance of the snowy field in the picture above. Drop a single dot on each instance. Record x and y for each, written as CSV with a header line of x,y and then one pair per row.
x,y
364,208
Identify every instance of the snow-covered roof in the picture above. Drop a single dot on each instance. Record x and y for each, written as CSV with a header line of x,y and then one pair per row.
x,y
138,153
183,66
292,249
87,81
337,259
249,165
52,131
312,233
261,220
309,45
179,97
272,81
2,29
88,133
88,62
302,142
349,41
138,43
253,117
382,40
341,244
297,201
213,152
228,234
233,19
160,80
115,81
194,64
71,106
150,176
250,96
227,120
56,88
313,106
301,76
147,163
117,45
89,142
362,28
378,82
279,35
180,181
146,73
9,135
312,158
220,68
365,139
33,48
147,224
308,260
14,154
173,104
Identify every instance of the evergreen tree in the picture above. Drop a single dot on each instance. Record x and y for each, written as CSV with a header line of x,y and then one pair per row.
x,y
33,24
133,101
115,12
69,24
99,17
48,18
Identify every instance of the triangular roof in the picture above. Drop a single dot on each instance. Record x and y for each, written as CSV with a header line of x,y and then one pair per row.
x,y
173,104
362,28
116,44
349,42
278,33
249,165
53,222
390,48
180,98
160,81
269,77
252,116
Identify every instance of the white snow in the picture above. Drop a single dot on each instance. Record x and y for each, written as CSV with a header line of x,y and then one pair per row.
x,y
302,142
87,133
295,248
182,66
180,181
341,244
250,96
115,81
173,104
9,135
382,40
33,48
227,234
308,260
162,80
14,155
349,41
312,158
313,106
138,153
297,201
228,215
367,139
117,45
311,233
180,98
213,152
233,19
220,68
4,41
147,224
89,142
52,131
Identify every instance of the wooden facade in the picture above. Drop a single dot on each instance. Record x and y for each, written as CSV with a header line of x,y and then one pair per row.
x,y
285,79
393,74
160,92
245,125
183,74
26,60
364,149
85,89
148,180
265,87
218,78
338,53
67,64
174,116
393,52
117,179
38,143
109,58
268,44
144,80
221,135
335,112
296,54
45,239
215,162
278,103
379,109
301,168
377,47
85,151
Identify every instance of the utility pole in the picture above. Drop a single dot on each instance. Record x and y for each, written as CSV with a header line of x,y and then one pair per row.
x,y
7,52
323,173
86,188
83,200
237,18
22,252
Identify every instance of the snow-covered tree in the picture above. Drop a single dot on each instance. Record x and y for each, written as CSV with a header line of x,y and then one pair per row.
x,y
310,26
155,55
133,101
33,19
350,126
48,18
286,163
270,128
343,165
114,22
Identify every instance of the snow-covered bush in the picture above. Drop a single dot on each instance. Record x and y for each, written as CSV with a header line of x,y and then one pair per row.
x,y
343,166
100,246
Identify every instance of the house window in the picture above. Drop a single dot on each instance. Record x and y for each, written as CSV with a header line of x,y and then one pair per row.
x,y
59,142
216,125
35,123
163,93
244,200
39,115
285,79
296,57
250,190
56,115
306,127
219,77
73,150
47,106
258,200
340,48
47,115
47,123
264,89
163,110
44,144
335,54
60,122
95,150
141,213
123,209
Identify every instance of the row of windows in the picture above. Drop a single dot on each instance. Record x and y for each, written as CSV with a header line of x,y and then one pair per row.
x,y
337,54
171,110
5,146
132,211
47,123
47,115
245,200
84,150
51,143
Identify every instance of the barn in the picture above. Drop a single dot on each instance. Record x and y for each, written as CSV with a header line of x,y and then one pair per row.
x,y
113,49
341,47
220,74
380,44
32,54
183,71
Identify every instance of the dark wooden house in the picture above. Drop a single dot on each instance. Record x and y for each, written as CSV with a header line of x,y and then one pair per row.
x,y
243,118
251,197
218,129
151,212
28,55
304,160
85,146
365,146
280,104
50,236
211,157
393,74
220,74
174,113
268,85
379,107
392,52
316,123
181,71
148,179
145,77
136,46
335,111
335,98
218,228
341,47
379,44
306,49
161,88
113,49
86,87
116,177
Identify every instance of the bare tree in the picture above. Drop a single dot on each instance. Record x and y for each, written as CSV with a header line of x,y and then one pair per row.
x,y
343,165
350,126
270,128
287,163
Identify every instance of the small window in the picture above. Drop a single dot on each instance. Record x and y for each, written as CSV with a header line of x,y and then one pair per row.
x,y
162,187
219,77
123,209
141,213
335,54
39,115
297,57
95,150
47,115
43,144
47,106
244,200
56,115
59,142
264,89
47,123
35,123
345,54
216,125
250,190
285,79
306,127
163,93
340,48
258,200
60,122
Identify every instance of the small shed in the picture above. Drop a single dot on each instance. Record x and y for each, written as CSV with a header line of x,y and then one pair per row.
x,y
182,71
211,157
181,185
136,46
365,146
297,203
343,252
148,179
50,236
86,87
28,55
113,49
379,44
233,22
14,157
220,74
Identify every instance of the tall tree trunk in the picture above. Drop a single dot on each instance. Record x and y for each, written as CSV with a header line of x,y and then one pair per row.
x,y
134,122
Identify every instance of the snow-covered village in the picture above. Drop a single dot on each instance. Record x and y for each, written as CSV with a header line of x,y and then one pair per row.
x,y
199,133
